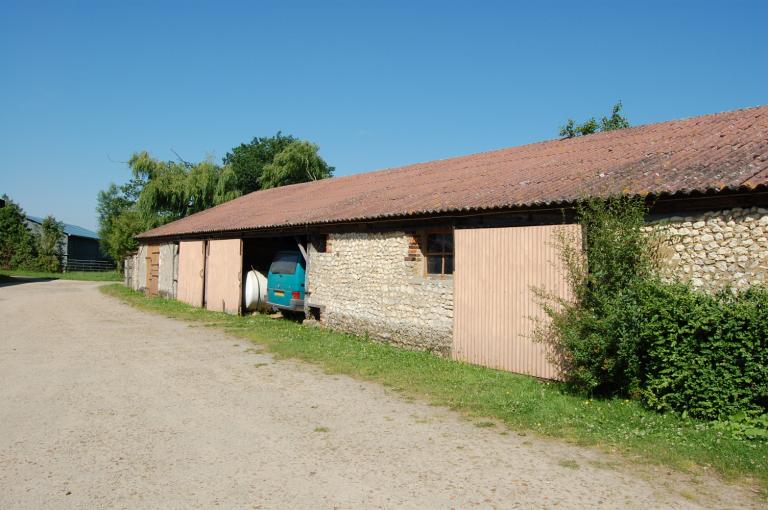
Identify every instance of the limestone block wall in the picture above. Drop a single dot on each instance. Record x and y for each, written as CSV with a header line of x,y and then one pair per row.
x,y
169,270
717,249
374,283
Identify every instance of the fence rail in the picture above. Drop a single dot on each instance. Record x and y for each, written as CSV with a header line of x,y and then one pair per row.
x,y
88,265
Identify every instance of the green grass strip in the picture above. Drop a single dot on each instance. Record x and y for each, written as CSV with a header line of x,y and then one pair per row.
x,y
95,276
522,403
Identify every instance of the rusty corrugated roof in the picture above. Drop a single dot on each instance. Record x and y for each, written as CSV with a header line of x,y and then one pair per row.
x,y
701,154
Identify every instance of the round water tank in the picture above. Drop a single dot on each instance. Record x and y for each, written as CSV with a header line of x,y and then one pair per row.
x,y
255,290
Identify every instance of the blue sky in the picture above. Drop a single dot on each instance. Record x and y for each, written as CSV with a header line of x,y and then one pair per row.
x,y
375,84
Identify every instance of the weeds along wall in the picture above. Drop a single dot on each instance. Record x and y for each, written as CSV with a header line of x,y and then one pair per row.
x,y
375,284
716,249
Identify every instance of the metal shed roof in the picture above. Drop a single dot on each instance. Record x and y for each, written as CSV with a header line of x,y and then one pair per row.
x,y
70,230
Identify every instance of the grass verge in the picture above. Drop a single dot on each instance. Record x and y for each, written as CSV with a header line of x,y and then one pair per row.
x,y
96,276
522,403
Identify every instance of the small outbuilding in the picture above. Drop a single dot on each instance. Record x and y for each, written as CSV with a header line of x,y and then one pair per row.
x,y
443,255
80,247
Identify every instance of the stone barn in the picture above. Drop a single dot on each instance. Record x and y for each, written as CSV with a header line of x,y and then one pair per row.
x,y
443,255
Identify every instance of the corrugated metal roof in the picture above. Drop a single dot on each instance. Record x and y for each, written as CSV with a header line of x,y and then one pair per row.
x,y
71,230
701,154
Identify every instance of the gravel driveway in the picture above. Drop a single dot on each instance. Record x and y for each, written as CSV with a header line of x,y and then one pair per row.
x,y
104,406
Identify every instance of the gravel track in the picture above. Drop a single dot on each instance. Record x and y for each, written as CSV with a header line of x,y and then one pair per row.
x,y
105,406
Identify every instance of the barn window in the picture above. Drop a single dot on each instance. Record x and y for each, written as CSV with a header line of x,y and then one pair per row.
x,y
439,253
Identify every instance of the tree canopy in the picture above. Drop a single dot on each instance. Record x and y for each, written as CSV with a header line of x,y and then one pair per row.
x,y
298,162
23,248
17,244
248,160
615,121
173,190
119,220
162,191
50,245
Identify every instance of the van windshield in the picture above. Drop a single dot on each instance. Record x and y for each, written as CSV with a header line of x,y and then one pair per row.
x,y
284,263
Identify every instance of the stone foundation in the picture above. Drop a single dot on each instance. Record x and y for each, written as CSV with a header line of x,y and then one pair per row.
x,y
375,284
717,249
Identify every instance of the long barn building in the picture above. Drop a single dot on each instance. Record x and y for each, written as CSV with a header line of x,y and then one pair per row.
x,y
444,255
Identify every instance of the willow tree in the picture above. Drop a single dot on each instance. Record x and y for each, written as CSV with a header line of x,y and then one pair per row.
x,y
158,192
175,189
298,162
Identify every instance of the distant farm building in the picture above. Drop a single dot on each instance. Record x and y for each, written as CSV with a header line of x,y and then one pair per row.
x,y
80,247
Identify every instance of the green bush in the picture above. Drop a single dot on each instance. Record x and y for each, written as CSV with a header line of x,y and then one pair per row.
x,y
628,333
592,336
703,355
22,248
17,243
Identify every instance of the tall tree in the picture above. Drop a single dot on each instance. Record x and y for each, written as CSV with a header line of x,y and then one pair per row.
x,y
248,160
17,243
615,121
173,190
118,219
50,244
299,162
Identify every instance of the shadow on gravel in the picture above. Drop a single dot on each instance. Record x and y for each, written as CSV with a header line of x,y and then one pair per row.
x,y
7,281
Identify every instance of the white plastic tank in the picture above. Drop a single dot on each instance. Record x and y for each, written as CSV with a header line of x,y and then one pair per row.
x,y
255,291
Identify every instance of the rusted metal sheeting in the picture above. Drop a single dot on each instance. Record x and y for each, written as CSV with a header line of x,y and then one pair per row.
x,y
191,272
223,281
494,304
153,269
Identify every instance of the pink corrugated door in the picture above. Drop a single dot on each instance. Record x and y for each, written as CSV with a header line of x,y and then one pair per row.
x,y
224,269
191,272
494,304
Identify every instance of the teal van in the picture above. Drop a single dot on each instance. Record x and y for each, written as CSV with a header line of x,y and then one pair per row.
x,y
285,281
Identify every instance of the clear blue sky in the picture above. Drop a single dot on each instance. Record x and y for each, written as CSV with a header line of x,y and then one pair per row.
x,y
375,84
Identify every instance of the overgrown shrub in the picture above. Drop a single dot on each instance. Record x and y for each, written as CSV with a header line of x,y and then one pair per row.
x,y
703,355
18,248
629,333
49,243
21,248
591,337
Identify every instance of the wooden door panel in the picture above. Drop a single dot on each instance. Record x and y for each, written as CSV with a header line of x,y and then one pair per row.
x,y
495,309
191,276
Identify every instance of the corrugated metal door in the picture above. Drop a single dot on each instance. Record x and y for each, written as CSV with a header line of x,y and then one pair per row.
x,y
191,276
224,267
496,269
153,269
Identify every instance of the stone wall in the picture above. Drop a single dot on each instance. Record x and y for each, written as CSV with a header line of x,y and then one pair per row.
x,y
169,270
374,283
717,249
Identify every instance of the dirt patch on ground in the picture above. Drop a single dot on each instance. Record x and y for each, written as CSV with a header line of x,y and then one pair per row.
x,y
104,406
